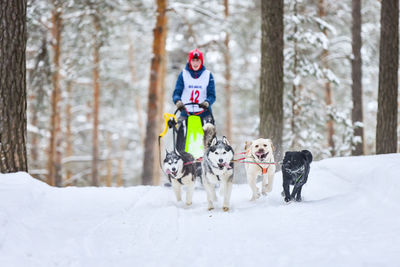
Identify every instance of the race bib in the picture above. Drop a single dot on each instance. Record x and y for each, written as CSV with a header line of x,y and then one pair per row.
x,y
195,90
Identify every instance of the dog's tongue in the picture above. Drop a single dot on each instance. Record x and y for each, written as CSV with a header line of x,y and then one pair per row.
x,y
168,171
228,166
225,165
259,154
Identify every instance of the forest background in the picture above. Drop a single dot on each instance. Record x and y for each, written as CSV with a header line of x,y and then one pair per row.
x,y
88,79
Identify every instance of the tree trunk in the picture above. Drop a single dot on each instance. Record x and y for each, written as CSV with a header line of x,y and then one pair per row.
x,y
356,75
108,181
68,133
13,154
328,89
54,164
271,81
138,103
119,179
386,128
159,32
160,121
295,91
228,89
96,97
39,78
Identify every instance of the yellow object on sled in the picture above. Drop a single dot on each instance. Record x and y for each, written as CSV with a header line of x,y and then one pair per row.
x,y
167,117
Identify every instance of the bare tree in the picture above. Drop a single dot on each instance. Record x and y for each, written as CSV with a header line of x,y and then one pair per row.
x,y
137,100
271,81
160,33
356,63
386,128
13,155
228,89
328,89
96,99
54,160
38,83
296,108
68,132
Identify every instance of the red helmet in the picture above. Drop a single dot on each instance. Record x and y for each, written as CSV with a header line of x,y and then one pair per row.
x,y
195,53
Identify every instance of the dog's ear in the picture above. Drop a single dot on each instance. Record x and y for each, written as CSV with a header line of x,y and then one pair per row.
x,y
286,154
247,145
272,145
308,156
214,141
225,141
166,152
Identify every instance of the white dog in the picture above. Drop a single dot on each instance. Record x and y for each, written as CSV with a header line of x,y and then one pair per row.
x,y
258,154
218,169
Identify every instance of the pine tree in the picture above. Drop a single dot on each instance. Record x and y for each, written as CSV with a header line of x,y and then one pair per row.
x,y
271,91
386,128
357,111
13,155
154,93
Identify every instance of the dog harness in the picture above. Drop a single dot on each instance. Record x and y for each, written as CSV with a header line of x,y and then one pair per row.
x,y
264,170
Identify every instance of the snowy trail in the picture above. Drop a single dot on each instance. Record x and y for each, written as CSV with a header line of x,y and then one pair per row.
x,y
349,217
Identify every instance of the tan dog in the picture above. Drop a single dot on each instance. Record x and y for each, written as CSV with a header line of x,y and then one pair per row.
x,y
258,153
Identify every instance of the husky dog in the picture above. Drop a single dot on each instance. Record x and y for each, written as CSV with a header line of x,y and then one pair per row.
x,y
258,154
295,170
180,170
217,168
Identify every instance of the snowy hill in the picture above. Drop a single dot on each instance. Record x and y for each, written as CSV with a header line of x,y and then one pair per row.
x,y
350,216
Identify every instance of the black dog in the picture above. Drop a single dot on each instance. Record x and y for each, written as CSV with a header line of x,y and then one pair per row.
x,y
295,170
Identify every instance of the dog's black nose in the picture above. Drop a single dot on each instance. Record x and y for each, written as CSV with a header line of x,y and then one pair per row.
x,y
221,160
173,169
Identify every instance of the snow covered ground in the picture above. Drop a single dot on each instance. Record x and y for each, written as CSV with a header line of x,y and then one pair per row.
x,y
350,216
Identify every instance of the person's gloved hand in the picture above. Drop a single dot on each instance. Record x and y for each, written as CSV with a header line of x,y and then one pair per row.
x,y
204,105
171,123
179,105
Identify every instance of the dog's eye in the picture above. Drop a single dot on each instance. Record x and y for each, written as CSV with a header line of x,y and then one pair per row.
x,y
265,145
216,153
224,152
256,146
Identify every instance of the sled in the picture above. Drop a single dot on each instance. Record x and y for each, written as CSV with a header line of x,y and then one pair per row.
x,y
194,132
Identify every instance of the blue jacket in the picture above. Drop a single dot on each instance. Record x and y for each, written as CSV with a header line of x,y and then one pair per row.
x,y
180,86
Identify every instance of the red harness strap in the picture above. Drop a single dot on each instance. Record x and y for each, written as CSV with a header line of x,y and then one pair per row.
x,y
264,170
192,162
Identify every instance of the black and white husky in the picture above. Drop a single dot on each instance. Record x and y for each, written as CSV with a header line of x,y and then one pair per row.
x,y
180,170
217,168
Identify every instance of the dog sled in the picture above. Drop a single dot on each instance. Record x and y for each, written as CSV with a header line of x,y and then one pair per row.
x,y
193,131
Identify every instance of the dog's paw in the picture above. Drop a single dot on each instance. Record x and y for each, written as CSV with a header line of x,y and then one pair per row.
x,y
188,203
225,209
288,200
283,193
268,188
210,208
264,193
254,197
299,199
